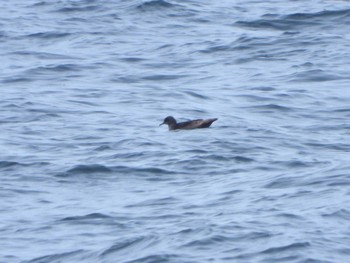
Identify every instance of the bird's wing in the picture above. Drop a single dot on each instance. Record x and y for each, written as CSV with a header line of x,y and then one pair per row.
x,y
190,124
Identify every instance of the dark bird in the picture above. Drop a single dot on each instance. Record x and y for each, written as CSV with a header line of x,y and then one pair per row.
x,y
194,124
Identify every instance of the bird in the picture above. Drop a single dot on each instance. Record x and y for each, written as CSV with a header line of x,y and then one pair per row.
x,y
187,125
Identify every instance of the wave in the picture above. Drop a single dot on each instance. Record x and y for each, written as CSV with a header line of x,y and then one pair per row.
x,y
339,214
129,244
60,257
5,164
167,201
10,164
315,75
81,6
92,216
341,14
159,258
124,170
54,68
41,55
48,35
154,5
297,20
88,169
291,247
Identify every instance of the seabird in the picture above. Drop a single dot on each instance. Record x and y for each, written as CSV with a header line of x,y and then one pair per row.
x,y
194,124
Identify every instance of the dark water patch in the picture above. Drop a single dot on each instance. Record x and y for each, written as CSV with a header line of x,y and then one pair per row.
x,y
270,108
132,59
115,170
290,216
14,80
48,35
126,79
79,7
339,214
3,34
307,180
341,110
208,242
25,191
95,219
163,77
161,258
297,164
197,151
276,24
296,21
263,88
84,102
288,248
54,68
315,75
231,192
217,48
329,181
130,244
39,4
166,216
6,164
342,14
284,182
102,148
87,169
257,98
92,216
196,95
215,157
12,106
256,235
169,10
277,258
244,44
129,155
154,5
243,159
41,55
339,182
192,163
156,202
331,146
58,258
13,164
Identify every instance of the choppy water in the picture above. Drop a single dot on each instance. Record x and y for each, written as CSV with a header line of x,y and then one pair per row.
x,y
87,175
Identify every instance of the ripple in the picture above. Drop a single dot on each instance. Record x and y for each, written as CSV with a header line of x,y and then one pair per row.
x,y
93,216
96,219
130,244
339,214
291,247
156,202
48,35
114,170
154,5
67,256
159,258
87,169
315,76
296,21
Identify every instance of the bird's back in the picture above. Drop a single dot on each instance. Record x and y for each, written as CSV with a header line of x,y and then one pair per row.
x,y
200,123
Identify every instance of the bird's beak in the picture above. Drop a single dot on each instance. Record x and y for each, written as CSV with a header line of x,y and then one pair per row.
x,y
161,124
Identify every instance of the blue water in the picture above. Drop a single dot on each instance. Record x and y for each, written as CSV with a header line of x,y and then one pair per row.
x,y
87,174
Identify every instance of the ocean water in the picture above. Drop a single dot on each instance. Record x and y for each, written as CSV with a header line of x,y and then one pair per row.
x,y
87,174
